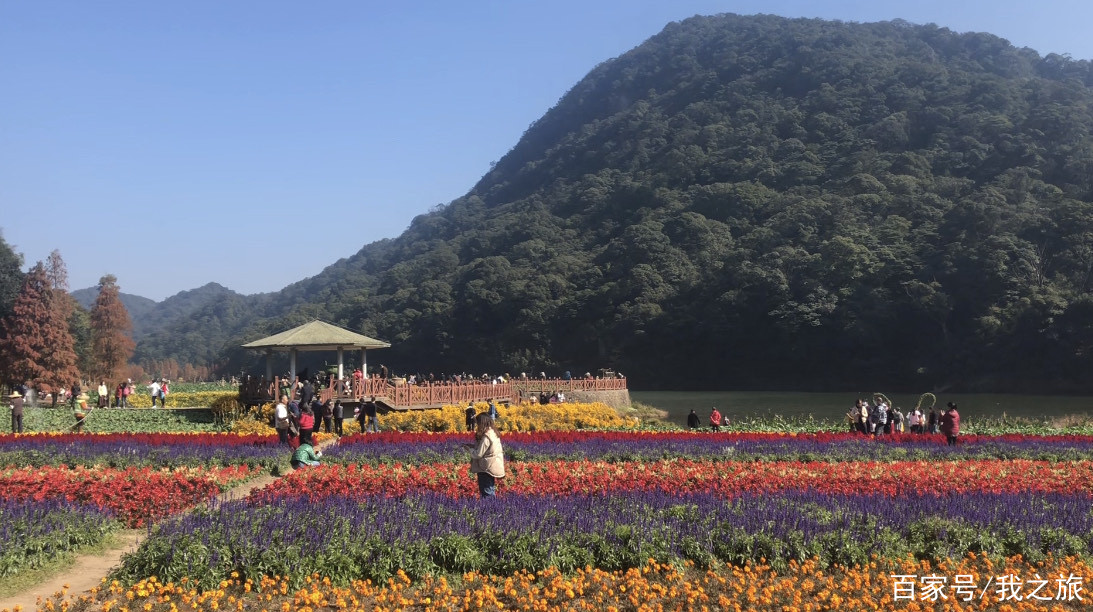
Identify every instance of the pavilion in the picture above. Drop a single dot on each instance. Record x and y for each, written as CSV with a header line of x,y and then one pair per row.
x,y
316,336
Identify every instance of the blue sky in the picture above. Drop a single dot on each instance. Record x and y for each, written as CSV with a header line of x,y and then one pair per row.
x,y
253,143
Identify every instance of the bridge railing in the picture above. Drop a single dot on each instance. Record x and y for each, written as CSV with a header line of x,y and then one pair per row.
x,y
549,385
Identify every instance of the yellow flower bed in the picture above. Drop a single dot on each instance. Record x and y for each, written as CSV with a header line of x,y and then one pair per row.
x,y
804,587
517,417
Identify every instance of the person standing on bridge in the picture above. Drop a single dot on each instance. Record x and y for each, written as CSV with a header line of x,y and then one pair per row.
x,y
487,457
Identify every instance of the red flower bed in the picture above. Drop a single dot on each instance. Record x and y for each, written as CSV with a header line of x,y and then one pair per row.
x,y
215,440
570,437
724,477
134,495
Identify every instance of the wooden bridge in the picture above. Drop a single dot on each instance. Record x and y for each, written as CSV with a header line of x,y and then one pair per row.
x,y
398,395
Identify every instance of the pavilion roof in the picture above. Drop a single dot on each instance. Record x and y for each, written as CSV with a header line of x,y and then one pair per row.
x,y
317,336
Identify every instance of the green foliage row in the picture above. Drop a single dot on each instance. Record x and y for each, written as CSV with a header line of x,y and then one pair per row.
x,y
114,420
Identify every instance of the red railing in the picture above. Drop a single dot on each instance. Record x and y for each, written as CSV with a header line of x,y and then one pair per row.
x,y
549,385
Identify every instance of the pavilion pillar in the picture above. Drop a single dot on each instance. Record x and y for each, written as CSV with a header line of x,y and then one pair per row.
x,y
292,367
341,363
364,362
269,364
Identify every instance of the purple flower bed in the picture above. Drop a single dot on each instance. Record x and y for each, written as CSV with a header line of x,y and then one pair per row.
x,y
421,449
423,533
113,451
33,533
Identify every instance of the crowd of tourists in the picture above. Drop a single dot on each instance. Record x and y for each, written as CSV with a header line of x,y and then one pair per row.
x,y
296,421
108,397
875,419
878,418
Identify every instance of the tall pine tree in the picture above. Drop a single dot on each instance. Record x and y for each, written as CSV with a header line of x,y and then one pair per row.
x,y
110,328
36,344
11,276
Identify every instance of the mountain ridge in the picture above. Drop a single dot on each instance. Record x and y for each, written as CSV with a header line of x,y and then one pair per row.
x,y
735,201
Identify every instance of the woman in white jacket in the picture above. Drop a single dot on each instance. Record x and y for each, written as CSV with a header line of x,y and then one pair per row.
x,y
487,458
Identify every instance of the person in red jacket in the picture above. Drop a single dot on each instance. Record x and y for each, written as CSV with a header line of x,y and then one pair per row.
x,y
950,424
307,424
715,420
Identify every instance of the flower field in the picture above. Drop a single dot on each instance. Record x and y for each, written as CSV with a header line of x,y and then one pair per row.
x,y
592,520
61,492
34,532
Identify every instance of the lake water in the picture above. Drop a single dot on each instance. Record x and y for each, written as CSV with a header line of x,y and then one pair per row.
x,y
833,406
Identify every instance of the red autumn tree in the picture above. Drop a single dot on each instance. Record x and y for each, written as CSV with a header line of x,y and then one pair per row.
x,y
36,344
112,345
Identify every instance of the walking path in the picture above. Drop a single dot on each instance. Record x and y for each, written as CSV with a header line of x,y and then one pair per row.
x,y
88,570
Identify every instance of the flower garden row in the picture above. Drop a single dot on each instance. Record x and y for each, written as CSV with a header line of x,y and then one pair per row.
x,y
261,449
804,587
736,446
375,537
584,520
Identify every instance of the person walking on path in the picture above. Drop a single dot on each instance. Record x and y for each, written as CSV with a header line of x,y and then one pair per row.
x,y
323,414
715,420
281,420
371,419
80,412
16,404
339,417
307,424
950,424
487,456
693,422
470,413
153,390
307,393
104,395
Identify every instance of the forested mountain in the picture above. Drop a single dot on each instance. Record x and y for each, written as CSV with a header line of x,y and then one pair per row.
x,y
750,202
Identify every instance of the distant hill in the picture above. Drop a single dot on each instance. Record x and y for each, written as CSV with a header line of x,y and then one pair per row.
x,y
748,202
139,307
149,316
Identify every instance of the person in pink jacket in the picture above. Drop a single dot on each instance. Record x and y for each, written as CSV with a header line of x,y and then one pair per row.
x,y
487,457
715,420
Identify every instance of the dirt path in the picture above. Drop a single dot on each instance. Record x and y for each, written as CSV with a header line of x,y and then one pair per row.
x,y
88,570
